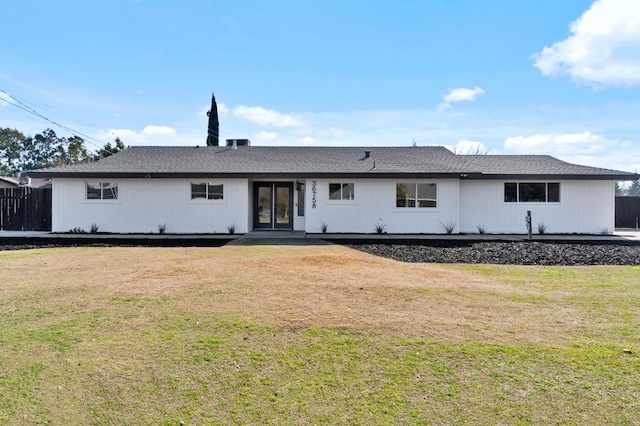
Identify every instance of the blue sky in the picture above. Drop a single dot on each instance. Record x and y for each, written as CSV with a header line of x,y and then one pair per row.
x,y
512,77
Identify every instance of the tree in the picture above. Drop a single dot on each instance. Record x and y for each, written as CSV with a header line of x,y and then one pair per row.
x,y
11,142
76,152
213,131
43,150
634,189
108,150
19,153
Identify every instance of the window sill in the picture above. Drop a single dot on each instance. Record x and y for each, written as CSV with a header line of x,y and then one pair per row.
x,y
102,202
342,202
416,210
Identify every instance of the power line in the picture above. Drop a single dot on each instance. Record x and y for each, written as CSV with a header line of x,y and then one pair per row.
x,y
23,106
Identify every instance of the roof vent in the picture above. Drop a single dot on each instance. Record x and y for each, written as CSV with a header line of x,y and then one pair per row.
x,y
235,143
367,154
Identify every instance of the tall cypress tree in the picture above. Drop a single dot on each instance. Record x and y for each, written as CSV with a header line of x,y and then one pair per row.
x,y
214,125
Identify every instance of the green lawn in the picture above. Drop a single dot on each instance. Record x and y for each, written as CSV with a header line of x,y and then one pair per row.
x,y
311,335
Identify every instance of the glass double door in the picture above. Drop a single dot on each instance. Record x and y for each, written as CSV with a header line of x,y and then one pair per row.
x,y
273,205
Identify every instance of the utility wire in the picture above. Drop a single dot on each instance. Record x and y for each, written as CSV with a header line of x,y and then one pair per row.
x,y
23,106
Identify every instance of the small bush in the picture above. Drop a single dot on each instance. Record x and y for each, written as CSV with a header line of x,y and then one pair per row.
x,y
323,227
380,228
162,228
482,229
77,230
231,228
449,227
94,228
542,228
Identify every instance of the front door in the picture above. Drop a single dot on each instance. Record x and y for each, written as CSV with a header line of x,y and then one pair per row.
x,y
273,205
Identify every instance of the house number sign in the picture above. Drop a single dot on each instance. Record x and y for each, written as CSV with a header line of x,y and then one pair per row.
x,y
314,190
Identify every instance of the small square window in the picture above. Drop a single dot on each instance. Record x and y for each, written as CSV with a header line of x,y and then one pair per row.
x,y
207,191
341,191
215,192
102,191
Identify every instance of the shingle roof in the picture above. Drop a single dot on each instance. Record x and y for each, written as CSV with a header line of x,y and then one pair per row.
x,y
503,165
261,161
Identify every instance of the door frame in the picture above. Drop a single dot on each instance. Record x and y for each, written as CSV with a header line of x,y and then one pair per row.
x,y
274,205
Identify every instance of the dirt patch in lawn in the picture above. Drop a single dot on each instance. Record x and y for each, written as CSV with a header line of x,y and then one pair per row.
x,y
294,287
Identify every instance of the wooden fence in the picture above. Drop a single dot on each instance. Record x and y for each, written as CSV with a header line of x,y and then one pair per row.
x,y
25,209
628,212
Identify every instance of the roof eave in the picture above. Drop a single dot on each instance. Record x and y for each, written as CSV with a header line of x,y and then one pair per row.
x,y
330,175
559,176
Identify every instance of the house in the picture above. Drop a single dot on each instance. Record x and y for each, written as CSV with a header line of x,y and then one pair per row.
x,y
23,181
213,189
8,182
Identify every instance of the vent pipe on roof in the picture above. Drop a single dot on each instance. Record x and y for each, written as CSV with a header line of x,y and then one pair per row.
x,y
367,154
237,143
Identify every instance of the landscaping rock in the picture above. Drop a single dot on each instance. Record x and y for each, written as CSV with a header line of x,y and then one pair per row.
x,y
507,253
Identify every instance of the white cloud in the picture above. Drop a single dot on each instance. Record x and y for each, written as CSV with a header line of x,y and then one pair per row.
x,y
459,95
223,110
151,130
584,143
266,117
124,134
466,147
266,135
158,135
603,48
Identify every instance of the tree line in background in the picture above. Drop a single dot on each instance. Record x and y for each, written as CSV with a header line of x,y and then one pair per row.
x,y
632,190
20,153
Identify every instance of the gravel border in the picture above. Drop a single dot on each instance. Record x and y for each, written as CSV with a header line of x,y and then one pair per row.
x,y
508,253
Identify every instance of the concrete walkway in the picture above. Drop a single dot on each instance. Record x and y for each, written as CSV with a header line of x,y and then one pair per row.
x,y
270,236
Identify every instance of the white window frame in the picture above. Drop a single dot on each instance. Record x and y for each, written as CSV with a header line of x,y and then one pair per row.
x,y
103,186
416,198
207,186
546,189
350,195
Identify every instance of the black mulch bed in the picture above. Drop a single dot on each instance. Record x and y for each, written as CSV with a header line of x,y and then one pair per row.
x,y
508,253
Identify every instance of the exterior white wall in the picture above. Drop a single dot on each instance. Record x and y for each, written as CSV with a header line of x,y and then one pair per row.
x,y
375,203
584,207
144,204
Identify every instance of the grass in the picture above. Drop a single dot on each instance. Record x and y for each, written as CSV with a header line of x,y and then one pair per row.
x,y
277,334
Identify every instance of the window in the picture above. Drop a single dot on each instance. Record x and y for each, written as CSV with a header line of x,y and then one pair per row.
x,y
531,192
341,191
300,187
416,195
102,191
207,191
